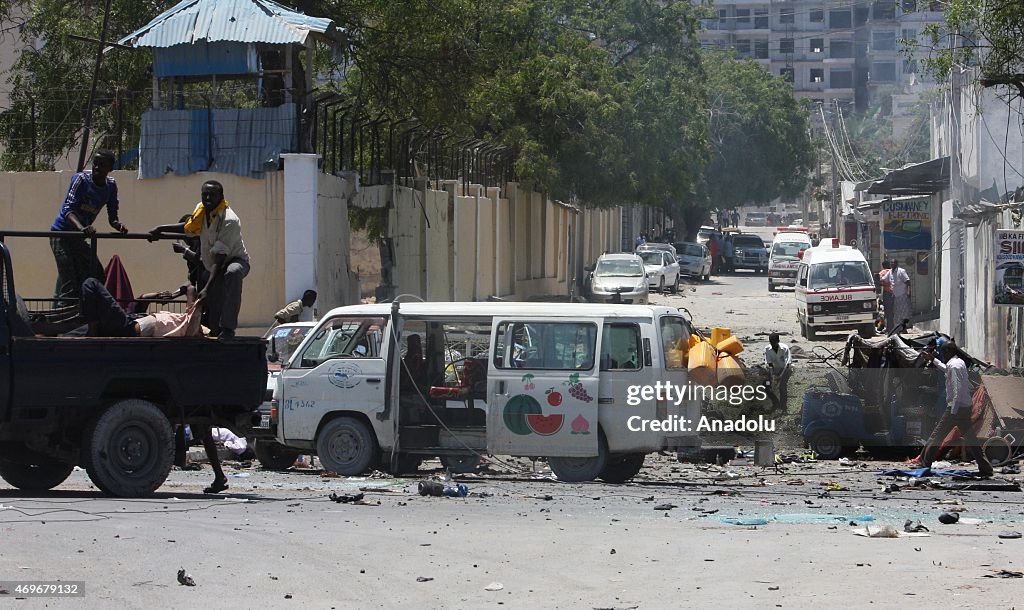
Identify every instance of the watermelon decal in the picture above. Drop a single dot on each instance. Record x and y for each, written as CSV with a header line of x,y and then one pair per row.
x,y
545,425
517,410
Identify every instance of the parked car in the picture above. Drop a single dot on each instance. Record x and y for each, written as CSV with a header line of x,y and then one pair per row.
x,y
749,252
662,269
282,341
657,246
755,219
618,278
704,234
694,259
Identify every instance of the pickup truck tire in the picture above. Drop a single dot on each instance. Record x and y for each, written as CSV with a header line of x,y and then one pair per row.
x,y
621,468
128,451
347,446
580,469
275,456
35,477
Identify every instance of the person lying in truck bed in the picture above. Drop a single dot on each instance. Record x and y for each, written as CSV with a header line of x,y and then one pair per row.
x,y
106,318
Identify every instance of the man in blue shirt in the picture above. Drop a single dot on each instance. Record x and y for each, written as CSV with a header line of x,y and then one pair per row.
x,y
89,192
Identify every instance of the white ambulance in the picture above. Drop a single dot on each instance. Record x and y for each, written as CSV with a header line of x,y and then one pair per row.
x,y
784,256
392,384
835,290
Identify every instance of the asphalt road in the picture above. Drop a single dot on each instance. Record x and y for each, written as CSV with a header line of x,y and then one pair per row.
x,y
681,535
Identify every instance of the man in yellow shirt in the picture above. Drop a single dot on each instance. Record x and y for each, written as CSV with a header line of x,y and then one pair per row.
x,y
299,310
223,254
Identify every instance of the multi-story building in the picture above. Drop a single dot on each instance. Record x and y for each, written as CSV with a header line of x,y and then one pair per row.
x,y
830,50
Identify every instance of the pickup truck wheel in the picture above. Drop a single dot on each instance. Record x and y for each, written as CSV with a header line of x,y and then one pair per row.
x,y
35,477
461,464
827,445
129,449
621,468
347,446
275,456
580,469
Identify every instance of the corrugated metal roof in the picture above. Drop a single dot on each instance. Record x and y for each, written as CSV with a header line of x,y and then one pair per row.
x,y
229,20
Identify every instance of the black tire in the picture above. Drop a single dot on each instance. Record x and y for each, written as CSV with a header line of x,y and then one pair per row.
x,y
661,285
827,445
35,477
129,449
810,333
347,446
675,287
803,329
578,470
275,456
771,287
866,330
621,468
461,464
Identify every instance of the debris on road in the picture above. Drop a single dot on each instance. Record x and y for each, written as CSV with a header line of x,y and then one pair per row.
x,y
949,518
424,578
347,498
1009,535
494,586
665,507
184,578
1004,574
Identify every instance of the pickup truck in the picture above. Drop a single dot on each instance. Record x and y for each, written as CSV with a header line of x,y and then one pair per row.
x,y
110,405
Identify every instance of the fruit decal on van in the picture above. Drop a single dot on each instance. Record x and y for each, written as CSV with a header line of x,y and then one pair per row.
x,y
523,416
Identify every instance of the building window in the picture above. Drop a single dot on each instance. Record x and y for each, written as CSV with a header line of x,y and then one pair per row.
x,y
787,15
840,19
817,45
817,16
841,79
723,14
760,19
743,15
787,74
743,48
841,49
786,46
884,9
817,75
761,49
883,41
909,34
883,72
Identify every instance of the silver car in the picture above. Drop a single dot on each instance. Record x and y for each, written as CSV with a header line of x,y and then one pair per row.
x,y
662,270
694,260
618,278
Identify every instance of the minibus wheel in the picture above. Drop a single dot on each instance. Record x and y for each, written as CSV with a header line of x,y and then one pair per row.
x,y
580,469
461,464
621,468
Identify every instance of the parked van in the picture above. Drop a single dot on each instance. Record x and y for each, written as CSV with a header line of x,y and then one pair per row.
x,y
787,248
835,290
458,380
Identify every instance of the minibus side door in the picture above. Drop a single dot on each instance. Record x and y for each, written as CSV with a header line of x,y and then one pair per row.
x,y
543,386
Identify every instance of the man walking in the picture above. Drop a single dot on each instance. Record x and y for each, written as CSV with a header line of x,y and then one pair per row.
x,y
780,367
958,409
89,192
223,254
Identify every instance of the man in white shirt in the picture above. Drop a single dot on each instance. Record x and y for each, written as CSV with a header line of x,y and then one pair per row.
x,y
958,409
223,253
900,294
780,365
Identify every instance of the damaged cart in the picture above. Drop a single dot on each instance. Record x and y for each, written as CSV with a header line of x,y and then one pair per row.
x,y
884,399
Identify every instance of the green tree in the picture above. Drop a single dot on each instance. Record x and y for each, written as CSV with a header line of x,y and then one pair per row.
x,y
760,143
989,34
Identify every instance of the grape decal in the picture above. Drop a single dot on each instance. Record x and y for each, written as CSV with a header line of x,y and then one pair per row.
x,y
576,389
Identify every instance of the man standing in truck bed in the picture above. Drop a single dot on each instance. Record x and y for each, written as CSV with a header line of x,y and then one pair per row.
x,y
88,194
223,254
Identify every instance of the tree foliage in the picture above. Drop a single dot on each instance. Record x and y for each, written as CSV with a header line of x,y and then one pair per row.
x,y
989,34
604,102
760,141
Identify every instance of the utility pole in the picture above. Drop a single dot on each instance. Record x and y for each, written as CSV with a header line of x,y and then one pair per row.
x,y
87,127
835,183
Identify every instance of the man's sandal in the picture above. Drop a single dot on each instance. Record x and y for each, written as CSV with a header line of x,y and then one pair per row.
x,y
217,487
